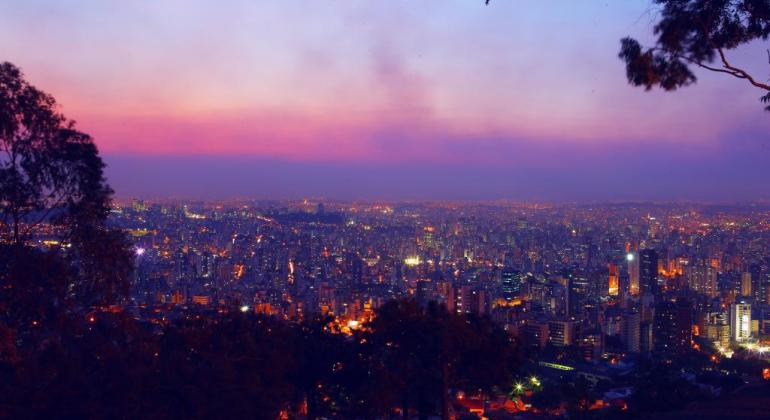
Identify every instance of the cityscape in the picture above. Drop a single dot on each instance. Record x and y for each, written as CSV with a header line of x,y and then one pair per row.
x,y
379,210
589,290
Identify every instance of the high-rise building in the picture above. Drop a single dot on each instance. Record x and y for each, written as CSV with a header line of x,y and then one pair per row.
x,y
631,331
646,337
535,333
647,307
470,300
718,330
740,321
633,272
672,326
511,281
683,324
664,327
591,344
613,280
766,290
648,271
759,283
562,333
746,284
557,296
702,278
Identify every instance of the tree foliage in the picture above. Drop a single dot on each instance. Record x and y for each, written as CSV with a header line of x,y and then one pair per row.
x,y
697,34
425,352
48,169
52,183
235,365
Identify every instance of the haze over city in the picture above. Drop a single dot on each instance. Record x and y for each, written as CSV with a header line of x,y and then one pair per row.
x,y
387,100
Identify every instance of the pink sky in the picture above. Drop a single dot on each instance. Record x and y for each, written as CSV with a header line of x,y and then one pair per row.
x,y
384,82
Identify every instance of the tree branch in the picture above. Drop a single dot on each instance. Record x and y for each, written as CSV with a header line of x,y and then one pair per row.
x,y
735,71
700,64
740,73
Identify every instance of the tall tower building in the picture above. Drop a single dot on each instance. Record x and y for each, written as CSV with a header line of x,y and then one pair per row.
x,y
759,283
702,278
710,282
664,327
646,337
633,272
673,326
740,321
746,284
648,271
613,281
632,331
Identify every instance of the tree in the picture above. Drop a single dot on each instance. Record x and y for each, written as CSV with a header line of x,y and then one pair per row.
x,y
51,175
34,292
658,389
320,355
46,166
697,33
406,347
429,351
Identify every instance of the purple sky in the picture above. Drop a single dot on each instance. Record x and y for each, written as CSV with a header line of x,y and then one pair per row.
x,y
391,99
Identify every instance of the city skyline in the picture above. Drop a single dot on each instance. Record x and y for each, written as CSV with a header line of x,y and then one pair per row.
x,y
530,103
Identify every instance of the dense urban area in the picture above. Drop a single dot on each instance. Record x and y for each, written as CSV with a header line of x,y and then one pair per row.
x,y
612,309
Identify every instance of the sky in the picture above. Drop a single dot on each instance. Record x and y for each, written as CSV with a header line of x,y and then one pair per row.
x,y
438,100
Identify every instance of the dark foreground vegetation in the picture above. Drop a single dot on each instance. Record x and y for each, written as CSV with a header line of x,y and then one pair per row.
x,y
235,365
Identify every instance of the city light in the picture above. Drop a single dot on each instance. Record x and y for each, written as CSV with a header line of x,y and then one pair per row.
x,y
630,256
725,352
556,366
139,251
244,308
754,347
412,261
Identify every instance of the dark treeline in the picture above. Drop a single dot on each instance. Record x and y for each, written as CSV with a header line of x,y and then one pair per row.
x,y
239,365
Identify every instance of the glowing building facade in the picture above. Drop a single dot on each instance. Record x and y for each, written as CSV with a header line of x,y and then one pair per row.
x,y
740,321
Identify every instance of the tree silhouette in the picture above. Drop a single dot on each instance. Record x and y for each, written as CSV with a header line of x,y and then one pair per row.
x,y
46,166
405,347
430,351
697,33
320,356
51,174
34,292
